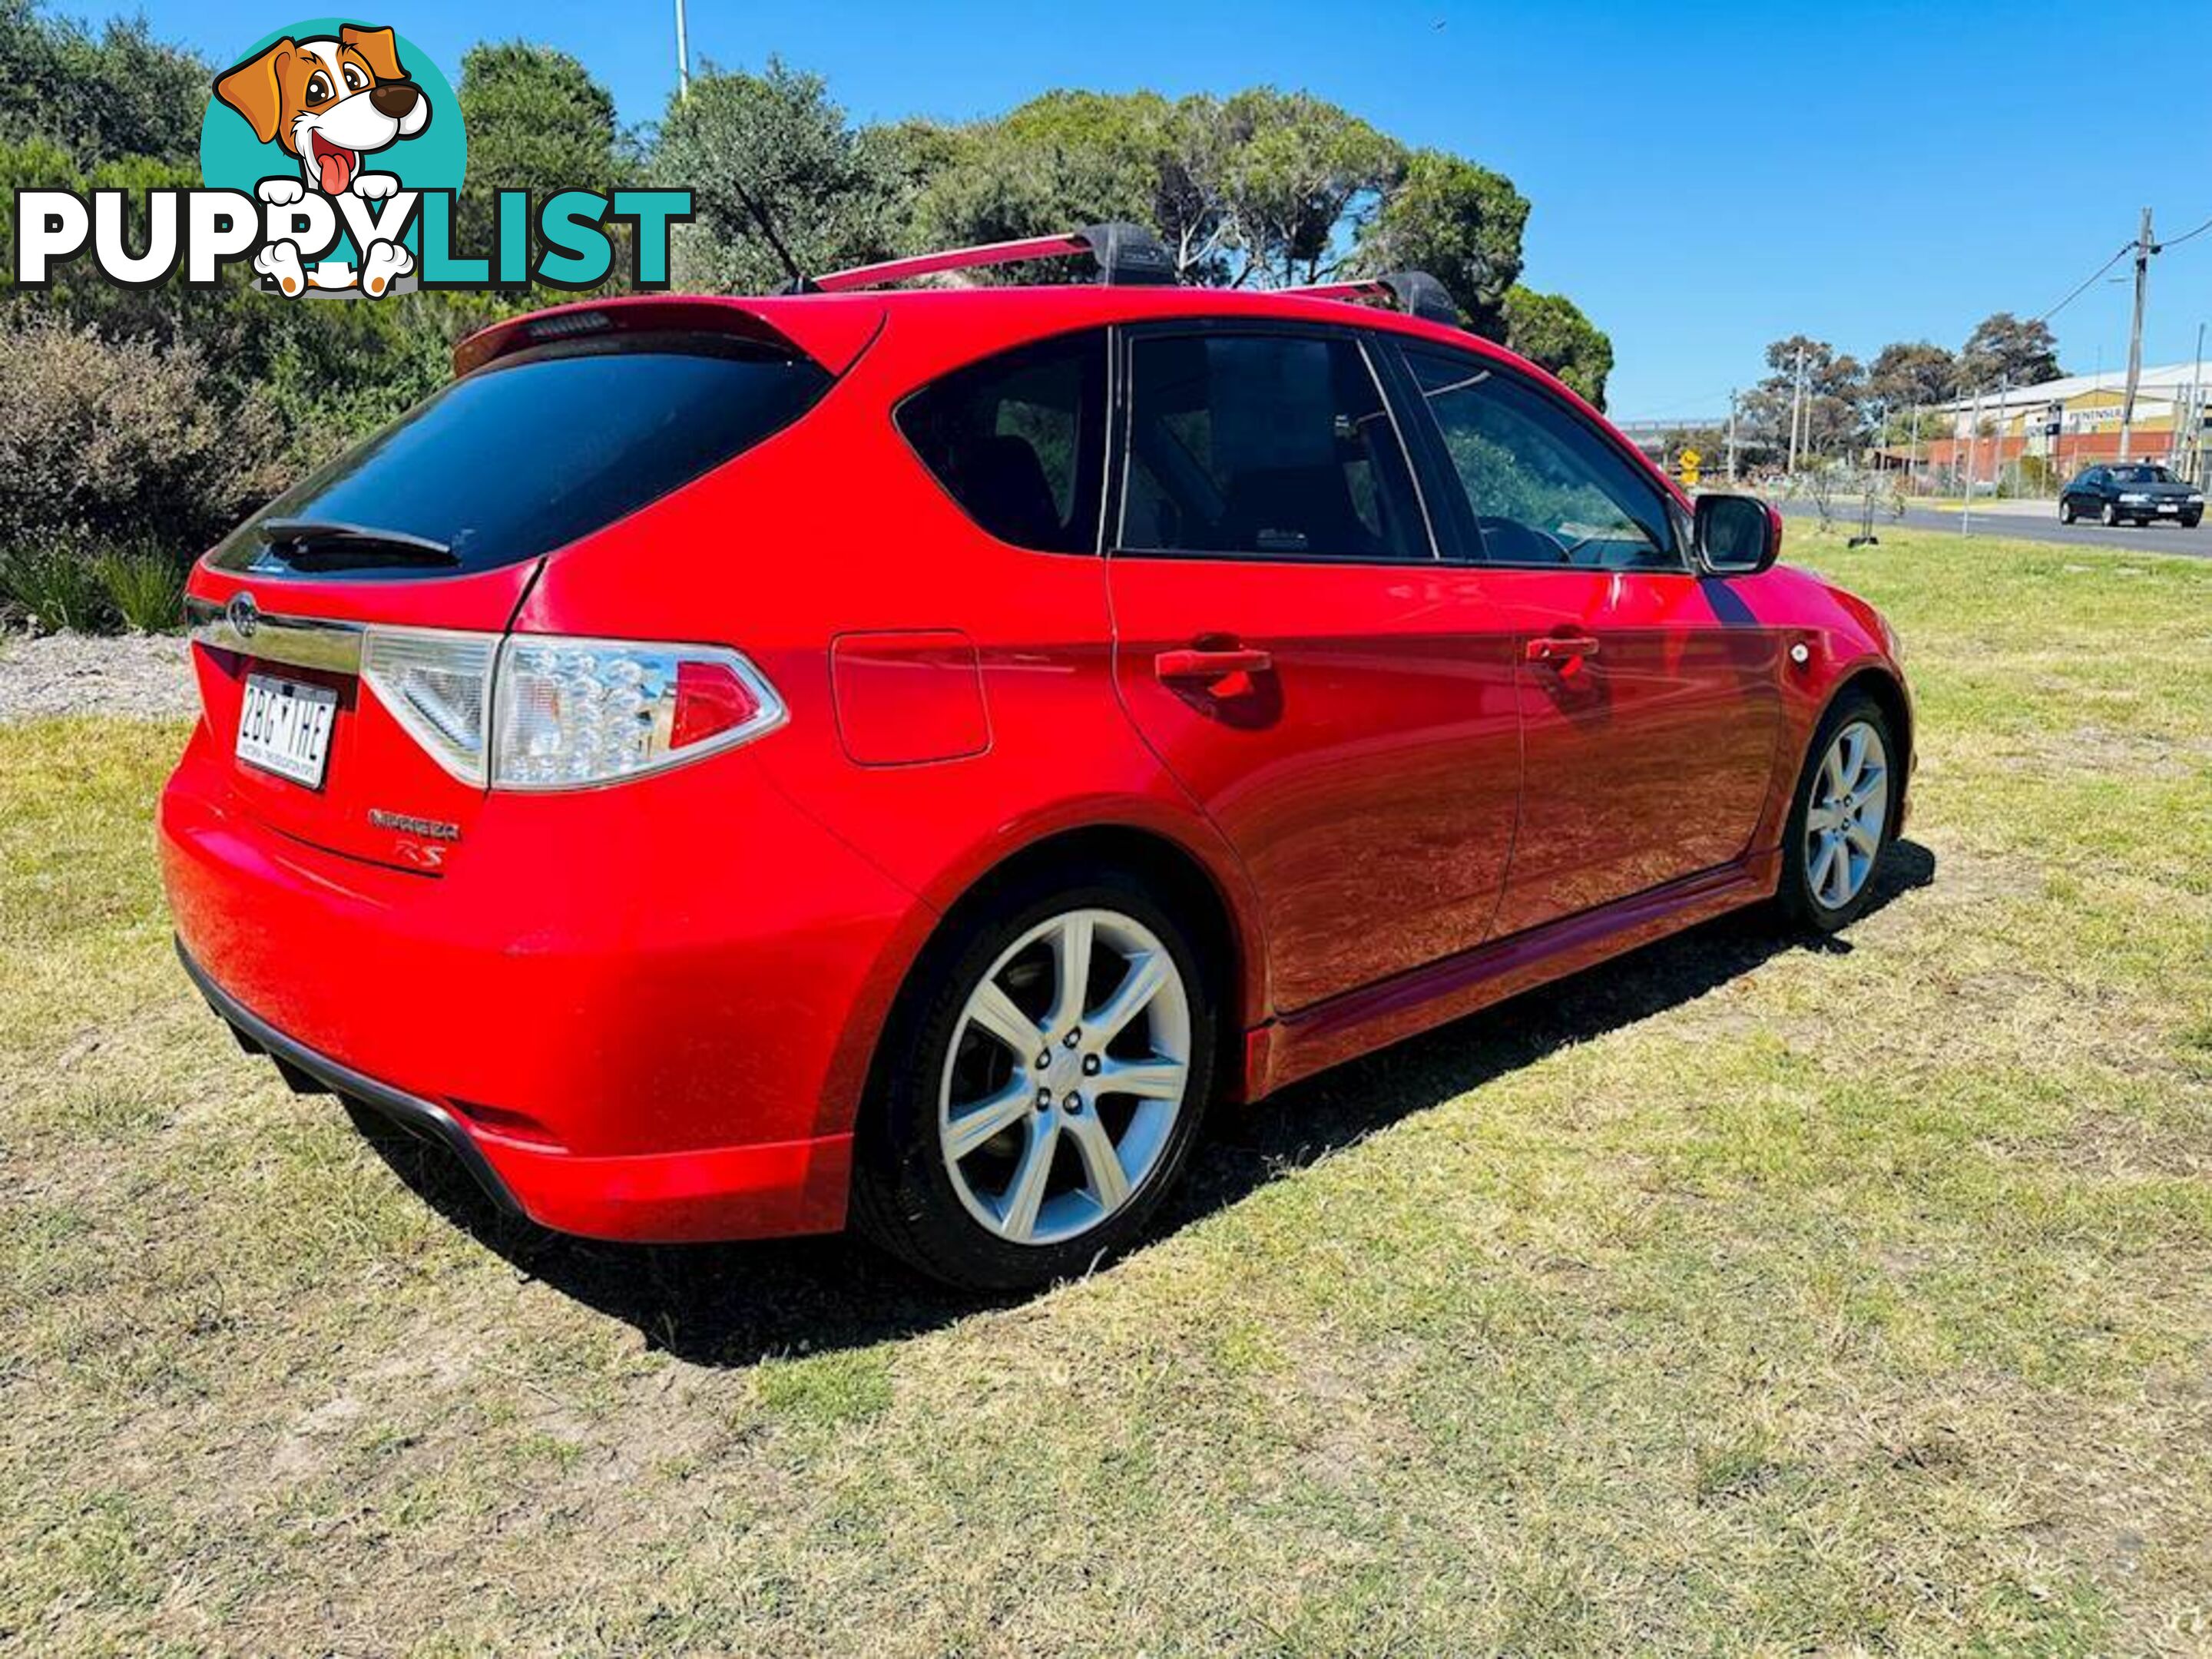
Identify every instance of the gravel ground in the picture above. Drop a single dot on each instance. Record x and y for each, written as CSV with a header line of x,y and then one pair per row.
x,y
137,676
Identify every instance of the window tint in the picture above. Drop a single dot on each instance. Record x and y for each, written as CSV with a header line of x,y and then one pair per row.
x,y
1545,488
1266,445
538,449
2143,475
1020,442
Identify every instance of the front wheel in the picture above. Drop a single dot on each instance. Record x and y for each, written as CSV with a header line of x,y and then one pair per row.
x,y
1044,1078
2190,521
1842,819
2111,515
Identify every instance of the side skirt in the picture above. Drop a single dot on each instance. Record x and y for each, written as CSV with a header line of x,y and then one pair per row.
x,y
1360,1022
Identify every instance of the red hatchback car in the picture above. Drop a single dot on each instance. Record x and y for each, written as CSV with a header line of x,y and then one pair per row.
x,y
724,765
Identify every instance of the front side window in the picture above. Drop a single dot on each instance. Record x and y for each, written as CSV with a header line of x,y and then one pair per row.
x,y
1545,488
1264,445
1018,440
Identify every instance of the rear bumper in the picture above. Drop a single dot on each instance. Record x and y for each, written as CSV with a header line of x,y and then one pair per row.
x,y
424,1118
663,1048
718,1193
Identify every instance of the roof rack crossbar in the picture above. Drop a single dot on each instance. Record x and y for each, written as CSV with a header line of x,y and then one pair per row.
x,y
1414,292
1125,253
950,258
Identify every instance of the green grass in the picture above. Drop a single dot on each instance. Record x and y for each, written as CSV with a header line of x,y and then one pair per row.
x,y
1737,1296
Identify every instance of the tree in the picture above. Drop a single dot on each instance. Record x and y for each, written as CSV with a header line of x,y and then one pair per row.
x,y
1060,161
1302,181
2003,348
1912,375
1834,419
1265,188
121,94
778,138
1461,223
537,121
1550,330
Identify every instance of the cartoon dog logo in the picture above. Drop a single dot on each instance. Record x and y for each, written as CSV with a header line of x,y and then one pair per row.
x,y
331,101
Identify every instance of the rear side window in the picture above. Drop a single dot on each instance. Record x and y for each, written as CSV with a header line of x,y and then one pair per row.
x,y
1018,440
530,452
1266,446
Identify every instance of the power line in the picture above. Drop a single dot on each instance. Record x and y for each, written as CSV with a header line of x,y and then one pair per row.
x,y
2125,249
2176,241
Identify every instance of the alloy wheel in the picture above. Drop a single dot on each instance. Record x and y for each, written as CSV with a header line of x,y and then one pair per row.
x,y
1068,1073
1845,817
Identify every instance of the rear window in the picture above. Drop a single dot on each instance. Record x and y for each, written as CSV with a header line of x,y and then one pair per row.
x,y
528,454
1019,441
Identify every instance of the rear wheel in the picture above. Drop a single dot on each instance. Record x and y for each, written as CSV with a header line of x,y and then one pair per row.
x,y
2066,509
1045,1076
1842,819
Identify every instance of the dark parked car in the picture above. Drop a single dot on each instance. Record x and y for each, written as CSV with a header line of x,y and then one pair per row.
x,y
2136,490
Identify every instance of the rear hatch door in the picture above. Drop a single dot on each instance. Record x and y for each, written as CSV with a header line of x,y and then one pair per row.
x,y
345,636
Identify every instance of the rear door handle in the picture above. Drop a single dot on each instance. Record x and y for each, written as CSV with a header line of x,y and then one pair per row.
x,y
1560,647
1197,665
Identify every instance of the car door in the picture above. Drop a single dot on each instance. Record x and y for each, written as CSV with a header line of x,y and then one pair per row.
x,y
1649,697
1334,695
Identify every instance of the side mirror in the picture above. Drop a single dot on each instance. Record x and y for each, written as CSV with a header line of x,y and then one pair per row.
x,y
1737,535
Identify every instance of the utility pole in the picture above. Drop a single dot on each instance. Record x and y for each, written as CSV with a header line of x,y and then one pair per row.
x,y
1731,469
682,56
1797,405
1973,435
2144,248
1997,460
2196,412
1912,467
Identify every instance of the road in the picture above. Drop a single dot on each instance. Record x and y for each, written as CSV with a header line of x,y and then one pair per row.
x,y
2028,527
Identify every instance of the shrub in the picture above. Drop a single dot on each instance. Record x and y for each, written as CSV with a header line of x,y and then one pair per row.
x,y
54,586
146,588
123,441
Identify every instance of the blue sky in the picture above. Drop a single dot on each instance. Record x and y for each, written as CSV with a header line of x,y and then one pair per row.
x,y
1705,176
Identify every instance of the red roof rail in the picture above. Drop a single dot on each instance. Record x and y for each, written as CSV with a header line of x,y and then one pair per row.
x,y
1126,254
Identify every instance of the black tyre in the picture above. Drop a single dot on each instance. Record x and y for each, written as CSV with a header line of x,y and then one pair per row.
x,y
1843,817
2066,509
2190,521
1041,1082
2111,515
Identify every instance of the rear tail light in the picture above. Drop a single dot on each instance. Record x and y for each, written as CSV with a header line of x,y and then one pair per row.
x,y
542,712
577,712
438,686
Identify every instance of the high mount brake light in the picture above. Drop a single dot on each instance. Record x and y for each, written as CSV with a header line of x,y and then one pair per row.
x,y
540,711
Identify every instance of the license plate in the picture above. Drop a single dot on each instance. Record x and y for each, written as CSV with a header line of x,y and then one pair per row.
x,y
285,727
2168,506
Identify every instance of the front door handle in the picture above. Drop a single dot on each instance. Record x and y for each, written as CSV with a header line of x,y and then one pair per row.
x,y
1561,647
1197,664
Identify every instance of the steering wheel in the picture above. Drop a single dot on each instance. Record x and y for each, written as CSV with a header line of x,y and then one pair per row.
x,y
1519,543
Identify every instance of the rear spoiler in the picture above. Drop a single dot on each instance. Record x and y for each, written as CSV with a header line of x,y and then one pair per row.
x,y
833,335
